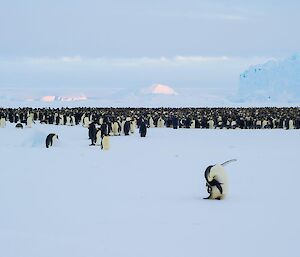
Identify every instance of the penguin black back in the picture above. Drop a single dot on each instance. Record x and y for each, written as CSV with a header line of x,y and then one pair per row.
x,y
49,139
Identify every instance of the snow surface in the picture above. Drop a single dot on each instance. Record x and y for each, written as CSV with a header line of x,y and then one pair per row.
x,y
143,197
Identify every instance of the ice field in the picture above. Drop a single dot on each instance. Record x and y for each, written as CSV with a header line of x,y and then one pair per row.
x,y
143,197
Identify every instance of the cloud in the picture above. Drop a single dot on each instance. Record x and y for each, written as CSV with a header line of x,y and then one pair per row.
x,y
81,72
196,15
48,60
231,17
200,58
215,16
117,62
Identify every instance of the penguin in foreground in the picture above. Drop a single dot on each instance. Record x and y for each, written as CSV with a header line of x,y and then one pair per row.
x,y
50,139
216,180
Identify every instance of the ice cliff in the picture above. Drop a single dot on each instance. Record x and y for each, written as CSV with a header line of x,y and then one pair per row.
x,y
276,80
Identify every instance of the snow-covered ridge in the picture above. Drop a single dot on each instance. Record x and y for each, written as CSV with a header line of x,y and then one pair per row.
x,y
69,98
160,89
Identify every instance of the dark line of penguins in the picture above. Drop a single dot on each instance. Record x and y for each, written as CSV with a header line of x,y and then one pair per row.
x,y
203,118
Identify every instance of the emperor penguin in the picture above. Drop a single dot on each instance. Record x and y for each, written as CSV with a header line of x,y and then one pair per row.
x,y
274,123
19,125
56,119
50,139
233,124
68,122
291,124
105,142
82,118
86,122
210,123
151,122
73,120
116,127
216,181
126,128
2,122
264,124
132,126
98,137
258,124
29,121
193,124
61,119
122,126
160,122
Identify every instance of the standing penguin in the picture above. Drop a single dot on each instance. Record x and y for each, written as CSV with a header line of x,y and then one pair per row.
x,y
143,129
291,124
160,122
175,122
2,122
126,127
29,121
50,139
105,142
210,123
68,120
216,180
92,133
151,122
73,120
193,124
61,119
98,137
86,121
116,128
132,126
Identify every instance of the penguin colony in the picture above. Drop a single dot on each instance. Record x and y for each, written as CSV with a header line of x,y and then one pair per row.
x,y
124,120
105,122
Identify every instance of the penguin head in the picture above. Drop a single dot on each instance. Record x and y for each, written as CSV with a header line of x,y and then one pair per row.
x,y
207,171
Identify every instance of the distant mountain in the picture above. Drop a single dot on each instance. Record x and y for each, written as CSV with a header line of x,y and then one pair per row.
x,y
160,89
276,80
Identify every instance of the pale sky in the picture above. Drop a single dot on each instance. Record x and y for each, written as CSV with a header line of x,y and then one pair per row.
x,y
135,43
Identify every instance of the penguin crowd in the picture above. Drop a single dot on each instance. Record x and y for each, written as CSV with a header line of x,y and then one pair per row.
x,y
105,122
124,120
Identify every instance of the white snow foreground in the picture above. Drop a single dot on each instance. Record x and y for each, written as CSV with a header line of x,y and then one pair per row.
x,y
143,197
